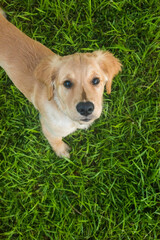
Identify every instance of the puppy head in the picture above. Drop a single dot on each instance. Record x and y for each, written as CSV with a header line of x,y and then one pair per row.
x,y
77,81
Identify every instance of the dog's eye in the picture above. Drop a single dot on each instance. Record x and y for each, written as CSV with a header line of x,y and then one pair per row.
x,y
68,84
95,81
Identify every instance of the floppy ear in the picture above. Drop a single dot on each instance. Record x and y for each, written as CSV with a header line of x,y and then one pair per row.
x,y
110,66
46,72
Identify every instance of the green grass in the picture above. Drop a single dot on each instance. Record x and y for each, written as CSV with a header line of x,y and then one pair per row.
x,y
110,188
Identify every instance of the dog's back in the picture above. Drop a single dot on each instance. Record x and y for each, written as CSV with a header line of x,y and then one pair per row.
x,y
19,55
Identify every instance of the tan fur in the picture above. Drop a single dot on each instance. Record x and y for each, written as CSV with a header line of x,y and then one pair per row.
x,y
40,74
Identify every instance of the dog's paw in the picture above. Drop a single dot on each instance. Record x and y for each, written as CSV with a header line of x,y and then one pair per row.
x,y
62,150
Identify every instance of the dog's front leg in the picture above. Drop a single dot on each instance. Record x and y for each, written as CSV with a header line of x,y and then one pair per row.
x,y
60,148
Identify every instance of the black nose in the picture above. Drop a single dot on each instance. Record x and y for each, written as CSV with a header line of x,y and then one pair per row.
x,y
85,108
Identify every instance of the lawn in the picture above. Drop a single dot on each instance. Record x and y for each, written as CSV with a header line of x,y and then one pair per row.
x,y
110,187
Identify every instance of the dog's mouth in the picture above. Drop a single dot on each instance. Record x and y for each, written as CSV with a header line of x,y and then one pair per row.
x,y
86,119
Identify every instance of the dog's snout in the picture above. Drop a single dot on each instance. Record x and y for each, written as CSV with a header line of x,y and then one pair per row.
x,y
85,108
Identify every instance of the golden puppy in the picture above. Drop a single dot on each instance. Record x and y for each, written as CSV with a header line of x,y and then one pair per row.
x,y
67,91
